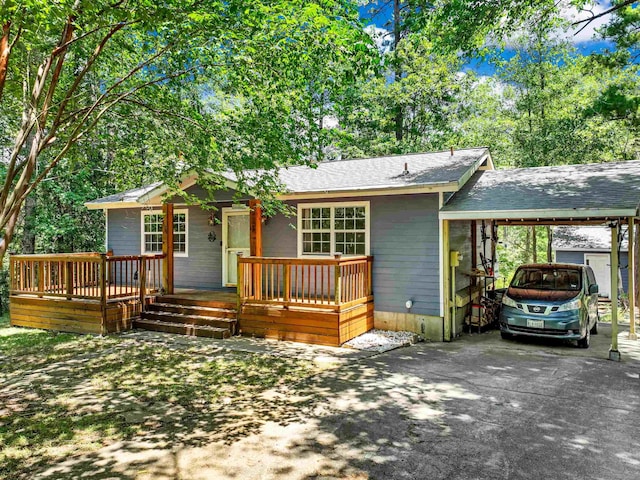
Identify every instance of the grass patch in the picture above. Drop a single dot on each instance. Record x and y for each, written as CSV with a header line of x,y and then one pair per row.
x,y
66,395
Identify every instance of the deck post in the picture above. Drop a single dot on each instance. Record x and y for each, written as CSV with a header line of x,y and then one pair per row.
x,y
12,274
40,278
142,281
614,354
167,248
337,280
286,284
369,276
103,291
69,278
240,284
631,287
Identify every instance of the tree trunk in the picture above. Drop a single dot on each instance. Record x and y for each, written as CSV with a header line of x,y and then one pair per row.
x,y
549,244
527,245
534,245
5,51
398,119
28,226
8,236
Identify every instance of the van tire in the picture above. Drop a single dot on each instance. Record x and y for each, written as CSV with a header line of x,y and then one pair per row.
x,y
594,329
506,336
585,341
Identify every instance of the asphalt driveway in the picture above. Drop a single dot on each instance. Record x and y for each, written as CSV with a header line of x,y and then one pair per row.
x,y
477,408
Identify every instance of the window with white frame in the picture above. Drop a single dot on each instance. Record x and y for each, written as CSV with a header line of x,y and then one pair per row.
x,y
329,228
152,232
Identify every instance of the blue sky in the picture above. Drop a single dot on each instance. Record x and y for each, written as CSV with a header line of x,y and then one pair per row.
x,y
585,42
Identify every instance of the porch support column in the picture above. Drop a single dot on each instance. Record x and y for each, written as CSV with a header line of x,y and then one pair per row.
x,y
614,354
632,279
167,248
255,244
446,284
255,228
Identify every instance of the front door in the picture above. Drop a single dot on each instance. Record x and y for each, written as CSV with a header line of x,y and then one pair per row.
x,y
601,266
235,241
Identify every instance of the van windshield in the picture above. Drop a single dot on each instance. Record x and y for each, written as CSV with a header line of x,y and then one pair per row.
x,y
548,279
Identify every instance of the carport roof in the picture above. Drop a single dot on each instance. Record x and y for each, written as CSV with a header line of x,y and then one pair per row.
x,y
587,192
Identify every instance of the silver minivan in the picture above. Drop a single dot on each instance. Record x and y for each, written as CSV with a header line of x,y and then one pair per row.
x,y
551,300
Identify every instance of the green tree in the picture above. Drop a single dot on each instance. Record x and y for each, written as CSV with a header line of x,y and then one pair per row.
x,y
217,85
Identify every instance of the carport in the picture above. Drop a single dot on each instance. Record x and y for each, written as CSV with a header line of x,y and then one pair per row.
x,y
588,194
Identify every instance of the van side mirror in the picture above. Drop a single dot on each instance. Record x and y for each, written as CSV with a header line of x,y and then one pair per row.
x,y
593,289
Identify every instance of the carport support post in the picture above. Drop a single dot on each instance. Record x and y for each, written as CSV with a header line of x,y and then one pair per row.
x,y
632,279
614,354
446,280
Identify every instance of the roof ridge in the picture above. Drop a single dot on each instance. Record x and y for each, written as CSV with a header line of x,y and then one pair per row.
x,y
386,156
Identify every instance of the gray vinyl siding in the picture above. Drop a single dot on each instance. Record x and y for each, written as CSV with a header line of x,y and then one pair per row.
x,y
578,257
201,269
405,244
124,231
404,235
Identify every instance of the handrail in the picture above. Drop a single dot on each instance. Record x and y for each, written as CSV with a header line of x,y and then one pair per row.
x,y
305,261
88,275
335,283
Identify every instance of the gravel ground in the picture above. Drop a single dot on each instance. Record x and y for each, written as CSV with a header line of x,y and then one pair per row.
x,y
382,340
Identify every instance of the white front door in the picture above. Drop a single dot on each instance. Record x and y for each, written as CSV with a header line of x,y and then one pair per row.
x,y
601,265
235,240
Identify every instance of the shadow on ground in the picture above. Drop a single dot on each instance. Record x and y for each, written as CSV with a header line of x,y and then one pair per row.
x,y
133,409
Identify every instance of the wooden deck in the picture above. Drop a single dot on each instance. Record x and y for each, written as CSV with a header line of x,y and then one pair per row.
x,y
321,301
81,293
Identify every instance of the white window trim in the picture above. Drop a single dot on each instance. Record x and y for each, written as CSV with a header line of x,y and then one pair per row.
x,y
332,205
156,212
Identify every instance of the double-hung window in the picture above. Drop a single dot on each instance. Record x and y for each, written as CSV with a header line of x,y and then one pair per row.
x,y
329,228
152,232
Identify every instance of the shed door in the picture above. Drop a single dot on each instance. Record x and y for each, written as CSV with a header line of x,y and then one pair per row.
x,y
601,265
235,240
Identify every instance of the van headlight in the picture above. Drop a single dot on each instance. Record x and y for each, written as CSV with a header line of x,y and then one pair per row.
x,y
509,302
572,305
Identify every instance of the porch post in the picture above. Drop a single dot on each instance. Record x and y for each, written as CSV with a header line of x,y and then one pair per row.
x,y
446,283
255,244
614,354
167,247
631,290
255,228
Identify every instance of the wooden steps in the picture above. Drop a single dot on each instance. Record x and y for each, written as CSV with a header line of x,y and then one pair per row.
x,y
182,328
189,316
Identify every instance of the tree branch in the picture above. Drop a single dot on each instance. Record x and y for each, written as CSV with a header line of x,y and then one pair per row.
x,y
602,14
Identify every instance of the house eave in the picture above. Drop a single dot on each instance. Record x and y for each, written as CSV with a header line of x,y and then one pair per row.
x,y
114,205
541,215
369,192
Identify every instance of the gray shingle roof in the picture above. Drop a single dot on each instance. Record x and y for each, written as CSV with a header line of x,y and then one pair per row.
x,y
439,168
132,195
384,173
584,238
576,191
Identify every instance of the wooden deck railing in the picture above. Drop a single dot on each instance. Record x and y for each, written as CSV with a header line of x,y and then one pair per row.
x,y
332,283
88,276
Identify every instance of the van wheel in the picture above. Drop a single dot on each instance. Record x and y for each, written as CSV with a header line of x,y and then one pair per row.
x,y
506,336
594,329
585,341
